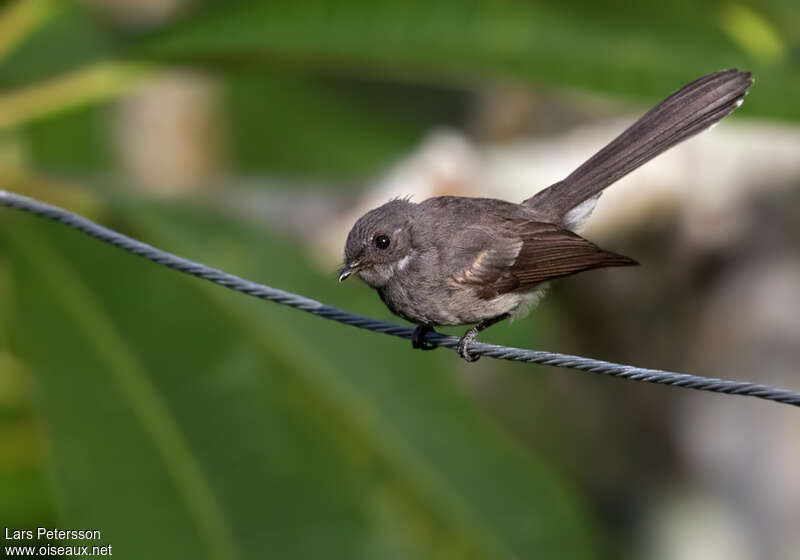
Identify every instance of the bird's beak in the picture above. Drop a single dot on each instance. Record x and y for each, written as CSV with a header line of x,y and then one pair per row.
x,y
348,270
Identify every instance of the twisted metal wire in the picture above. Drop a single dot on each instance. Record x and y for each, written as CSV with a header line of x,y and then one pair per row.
x,y
314,307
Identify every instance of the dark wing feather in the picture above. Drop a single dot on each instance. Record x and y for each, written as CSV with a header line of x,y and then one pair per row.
x,y
550,251
523,254
483,257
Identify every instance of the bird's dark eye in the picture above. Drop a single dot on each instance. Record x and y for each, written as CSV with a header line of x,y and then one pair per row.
x,y
382,241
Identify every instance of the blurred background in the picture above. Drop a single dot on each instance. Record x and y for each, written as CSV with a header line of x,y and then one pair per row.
x,y
186,421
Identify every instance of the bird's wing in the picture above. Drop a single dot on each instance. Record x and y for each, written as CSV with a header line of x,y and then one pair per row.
x,y
483,258
520,255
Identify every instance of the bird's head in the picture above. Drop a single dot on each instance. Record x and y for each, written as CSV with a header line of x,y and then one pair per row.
x,y
380,243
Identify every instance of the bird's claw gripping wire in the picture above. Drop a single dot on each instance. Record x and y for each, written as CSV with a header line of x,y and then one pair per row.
x,y
418,338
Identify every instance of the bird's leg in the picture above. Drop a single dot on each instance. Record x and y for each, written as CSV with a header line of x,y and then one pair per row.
x,y
470,336
418,338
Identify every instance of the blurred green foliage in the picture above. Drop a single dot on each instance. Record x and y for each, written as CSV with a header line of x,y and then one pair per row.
x,y
311,70
221,428
187,422
357,125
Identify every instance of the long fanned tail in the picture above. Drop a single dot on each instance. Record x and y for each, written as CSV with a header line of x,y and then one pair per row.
x,y
691,109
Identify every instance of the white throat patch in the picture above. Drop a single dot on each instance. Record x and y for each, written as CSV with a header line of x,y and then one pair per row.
x,y
403,263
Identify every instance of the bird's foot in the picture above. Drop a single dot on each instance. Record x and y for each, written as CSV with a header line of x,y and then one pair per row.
x,y
464,343
418,338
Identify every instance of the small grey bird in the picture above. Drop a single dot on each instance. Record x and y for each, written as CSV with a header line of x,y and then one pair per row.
x,y
475,261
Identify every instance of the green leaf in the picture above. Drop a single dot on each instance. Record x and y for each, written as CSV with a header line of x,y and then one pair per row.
x,y
220,426
341,88
53,146
282,122
68,41
26,498
644,50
